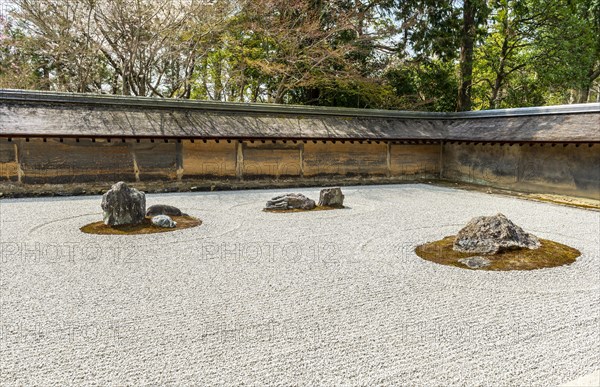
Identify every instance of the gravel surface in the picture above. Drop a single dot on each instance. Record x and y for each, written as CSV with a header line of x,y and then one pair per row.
x,y
325,297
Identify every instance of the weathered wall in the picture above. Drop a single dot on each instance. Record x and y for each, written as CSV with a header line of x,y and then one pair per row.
x,y
211,159
415,160
345,159
70,161
9,167
65,142
55,162
545,168
269,160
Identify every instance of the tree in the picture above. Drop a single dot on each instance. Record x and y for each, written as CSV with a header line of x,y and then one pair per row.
x,y
415,54
532,46
301,41
474,14
445,30
132,47
590,12
48,32
19,64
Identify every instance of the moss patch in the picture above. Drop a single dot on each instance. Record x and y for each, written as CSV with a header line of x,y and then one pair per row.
x,y
550,254
146,227
317,208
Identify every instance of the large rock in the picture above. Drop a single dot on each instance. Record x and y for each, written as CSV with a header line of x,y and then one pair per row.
x,y
491,235
163,221
123,205
163,209
331,197
290,201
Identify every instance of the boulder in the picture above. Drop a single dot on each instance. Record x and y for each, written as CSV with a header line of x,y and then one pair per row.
x,y
163,221
290,201
475,262
163,209
331,197
493,234
123,205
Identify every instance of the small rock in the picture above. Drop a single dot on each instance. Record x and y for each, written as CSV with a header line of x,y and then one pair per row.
x,y
475,262
290,201
163,209
163,221
123,205
493,234
331,197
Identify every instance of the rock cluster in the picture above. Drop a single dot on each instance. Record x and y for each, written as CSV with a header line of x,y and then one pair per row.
x,y
290,201
491,235
331,197
123,205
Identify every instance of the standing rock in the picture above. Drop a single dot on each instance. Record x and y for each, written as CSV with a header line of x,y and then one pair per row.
x,y
163,221
163,209
331,197
123,205
491,235
290,202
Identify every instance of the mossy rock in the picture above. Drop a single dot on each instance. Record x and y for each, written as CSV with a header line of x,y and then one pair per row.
x,y
146,227
550,254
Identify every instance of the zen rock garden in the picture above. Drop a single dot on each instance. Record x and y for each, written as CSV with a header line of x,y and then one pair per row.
x,y
484,243
124,212
329,198
325,276
496,243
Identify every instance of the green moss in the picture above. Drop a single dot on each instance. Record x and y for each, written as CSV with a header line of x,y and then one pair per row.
x,y
146,227
550,254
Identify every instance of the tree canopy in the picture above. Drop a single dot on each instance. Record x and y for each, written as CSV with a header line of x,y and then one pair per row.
x,y
416,54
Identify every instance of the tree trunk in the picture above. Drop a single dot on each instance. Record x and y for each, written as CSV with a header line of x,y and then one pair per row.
x,y
500,74
584,93
281,90
494,103
463,102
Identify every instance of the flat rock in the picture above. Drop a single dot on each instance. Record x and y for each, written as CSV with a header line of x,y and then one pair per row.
x,y
331,197
290,201
163,209
493,234
475,262
123,205
164,221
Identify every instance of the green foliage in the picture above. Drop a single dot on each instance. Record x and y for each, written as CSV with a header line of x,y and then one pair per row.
x,y
427,86
533,49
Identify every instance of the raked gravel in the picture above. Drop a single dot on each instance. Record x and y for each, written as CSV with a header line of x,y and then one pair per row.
x,y
326,297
